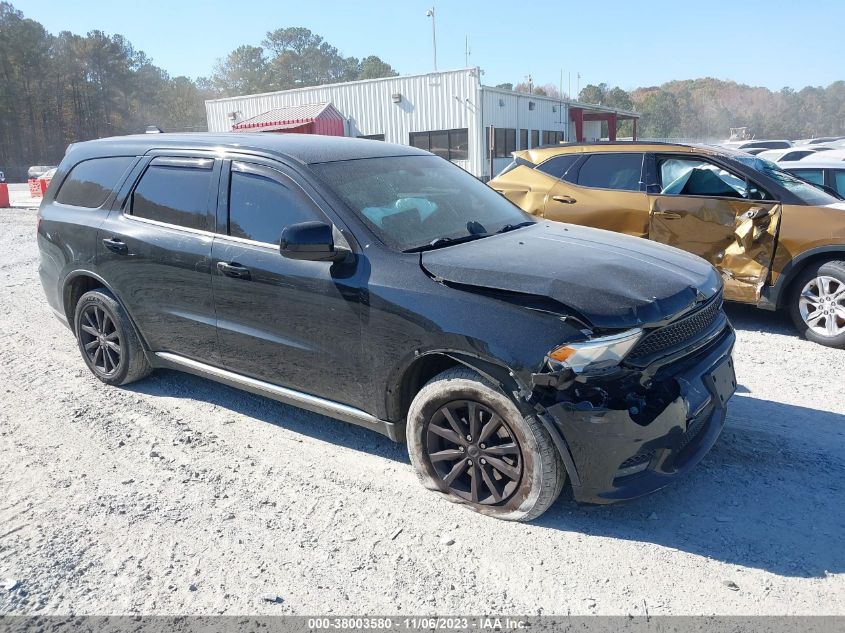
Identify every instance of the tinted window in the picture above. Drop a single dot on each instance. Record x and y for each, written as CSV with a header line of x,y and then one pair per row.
x,y
535,138
260,206
420,140
552,138
523,139
813,175
612,171
839,182
174,195
558,165
91,182
766,144
798,155
504,142
458,144
448,144
440,144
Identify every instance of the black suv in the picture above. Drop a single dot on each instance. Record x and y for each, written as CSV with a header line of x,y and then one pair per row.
x,y
383,286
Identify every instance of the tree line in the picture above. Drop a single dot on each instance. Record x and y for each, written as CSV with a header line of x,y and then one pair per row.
x,y
705,109
59,89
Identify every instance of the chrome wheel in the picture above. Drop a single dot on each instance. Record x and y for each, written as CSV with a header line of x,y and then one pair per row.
x,y
474,452
100,339
822,305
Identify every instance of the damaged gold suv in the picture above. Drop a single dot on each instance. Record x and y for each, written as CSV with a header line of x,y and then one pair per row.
x,y
778,242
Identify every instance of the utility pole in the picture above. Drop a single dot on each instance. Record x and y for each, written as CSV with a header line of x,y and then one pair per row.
x,y
467,52
430,14
578,85
560,105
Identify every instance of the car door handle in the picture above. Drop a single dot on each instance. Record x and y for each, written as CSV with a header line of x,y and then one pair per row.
x,y
233,269
564,199
669,215
116,245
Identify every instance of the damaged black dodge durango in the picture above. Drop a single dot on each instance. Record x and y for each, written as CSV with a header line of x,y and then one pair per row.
x,y
383,286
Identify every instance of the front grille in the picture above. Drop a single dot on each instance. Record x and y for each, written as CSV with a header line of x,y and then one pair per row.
x,y
679,332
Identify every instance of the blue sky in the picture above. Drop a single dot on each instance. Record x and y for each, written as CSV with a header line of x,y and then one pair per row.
x,y
625,43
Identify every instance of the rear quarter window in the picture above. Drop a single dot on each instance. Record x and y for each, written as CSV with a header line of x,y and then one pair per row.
x,y
559,165
90,182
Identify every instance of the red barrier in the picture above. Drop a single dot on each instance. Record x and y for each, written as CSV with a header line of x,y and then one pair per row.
x,y
4,196
37,187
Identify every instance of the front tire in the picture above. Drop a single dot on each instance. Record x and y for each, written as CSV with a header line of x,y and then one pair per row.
x,y
107,340
817,303
469,443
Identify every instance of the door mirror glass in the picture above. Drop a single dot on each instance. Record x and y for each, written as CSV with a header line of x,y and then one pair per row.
x,y
312,241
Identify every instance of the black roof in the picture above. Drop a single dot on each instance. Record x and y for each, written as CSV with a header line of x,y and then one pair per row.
x,y
303,148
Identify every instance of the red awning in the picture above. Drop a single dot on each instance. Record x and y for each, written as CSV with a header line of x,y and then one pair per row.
x,y
299,118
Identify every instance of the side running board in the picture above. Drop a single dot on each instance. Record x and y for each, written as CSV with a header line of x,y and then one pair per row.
x,y
282,394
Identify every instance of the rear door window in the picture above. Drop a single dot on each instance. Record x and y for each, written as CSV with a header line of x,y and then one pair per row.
x,y
262,202
90,182
558,165
175,191
612,171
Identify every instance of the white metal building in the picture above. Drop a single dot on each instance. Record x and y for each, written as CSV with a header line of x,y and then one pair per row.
x,y
448,113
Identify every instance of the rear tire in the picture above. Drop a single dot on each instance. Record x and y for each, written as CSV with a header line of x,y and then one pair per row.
x,y
510,470
107,340
817,303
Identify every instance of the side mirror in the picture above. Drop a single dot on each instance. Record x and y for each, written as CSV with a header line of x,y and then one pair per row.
x,y
311,241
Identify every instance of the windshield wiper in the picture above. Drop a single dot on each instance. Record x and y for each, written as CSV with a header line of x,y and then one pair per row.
x,y
511,227
445,241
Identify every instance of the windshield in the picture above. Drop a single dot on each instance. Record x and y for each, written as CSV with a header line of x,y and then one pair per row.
x,y
414,202
806,192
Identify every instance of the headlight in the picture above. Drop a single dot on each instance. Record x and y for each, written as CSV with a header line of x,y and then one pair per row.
x,y
605,351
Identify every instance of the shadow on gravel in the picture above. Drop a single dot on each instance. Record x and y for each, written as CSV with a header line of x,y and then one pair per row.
x,y
746,317
763,498
174,384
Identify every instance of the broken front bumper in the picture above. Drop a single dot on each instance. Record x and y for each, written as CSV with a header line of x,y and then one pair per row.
x,y
615,457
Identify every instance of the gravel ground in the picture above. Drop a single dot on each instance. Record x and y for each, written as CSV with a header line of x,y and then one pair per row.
x,y
177,495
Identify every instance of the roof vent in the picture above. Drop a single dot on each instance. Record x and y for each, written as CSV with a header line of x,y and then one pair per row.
x,y
501,103
152,129
531,105
396,97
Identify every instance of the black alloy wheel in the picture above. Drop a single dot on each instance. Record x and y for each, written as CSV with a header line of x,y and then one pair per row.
x,y
474,452
100,339
107,340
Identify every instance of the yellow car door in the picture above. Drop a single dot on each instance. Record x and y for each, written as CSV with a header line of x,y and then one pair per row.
x,y
718,215
604,190
528,185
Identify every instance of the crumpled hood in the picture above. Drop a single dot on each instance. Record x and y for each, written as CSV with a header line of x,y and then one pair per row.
x,y
610,279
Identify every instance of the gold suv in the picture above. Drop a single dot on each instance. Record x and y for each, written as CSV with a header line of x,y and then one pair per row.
x,y
777,241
